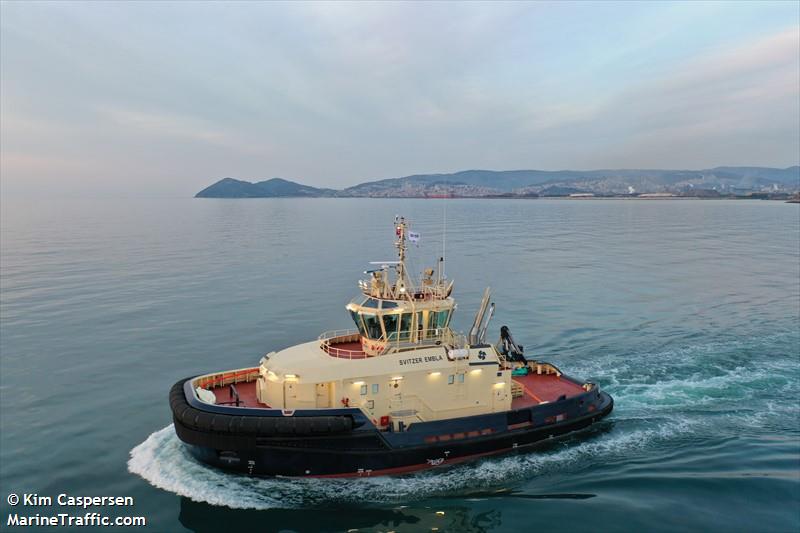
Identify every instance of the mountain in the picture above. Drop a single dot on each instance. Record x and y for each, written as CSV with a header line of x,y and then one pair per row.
x,y
272,188
622,181
725,180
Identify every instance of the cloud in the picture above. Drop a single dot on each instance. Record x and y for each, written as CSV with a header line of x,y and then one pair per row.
x,y
160,124
175,95
695,111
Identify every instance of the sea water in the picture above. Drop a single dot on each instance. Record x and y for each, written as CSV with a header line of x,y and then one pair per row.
x,y
686,311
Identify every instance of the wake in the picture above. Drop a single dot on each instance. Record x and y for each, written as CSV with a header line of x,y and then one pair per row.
x,y
162,461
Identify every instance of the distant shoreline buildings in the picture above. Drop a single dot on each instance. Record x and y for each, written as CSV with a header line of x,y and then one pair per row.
x,y
722,182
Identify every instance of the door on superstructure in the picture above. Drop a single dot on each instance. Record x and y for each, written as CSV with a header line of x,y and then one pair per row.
x,y
396,388
323,395
500,399
395,394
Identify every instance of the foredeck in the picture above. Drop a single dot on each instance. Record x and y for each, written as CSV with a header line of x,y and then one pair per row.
x,y
247,395
538,388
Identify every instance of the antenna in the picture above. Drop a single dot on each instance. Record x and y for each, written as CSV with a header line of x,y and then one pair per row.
x,y
444,236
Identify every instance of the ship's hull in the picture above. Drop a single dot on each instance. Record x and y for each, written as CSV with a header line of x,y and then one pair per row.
x,y
344,443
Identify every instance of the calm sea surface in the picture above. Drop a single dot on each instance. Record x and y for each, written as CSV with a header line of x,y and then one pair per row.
x,y
687,312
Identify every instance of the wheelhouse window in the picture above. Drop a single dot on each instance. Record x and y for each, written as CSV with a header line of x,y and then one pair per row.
x,y
388,304
405,326
359,323
372,302
390,324
373,326
442,318
430,330
437,320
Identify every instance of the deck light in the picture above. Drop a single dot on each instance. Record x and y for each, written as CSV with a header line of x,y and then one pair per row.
x,y
357,383
397,378
434,374
499,385
290,376
475,371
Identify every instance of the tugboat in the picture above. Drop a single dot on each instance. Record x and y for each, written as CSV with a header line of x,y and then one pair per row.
x,y
399,393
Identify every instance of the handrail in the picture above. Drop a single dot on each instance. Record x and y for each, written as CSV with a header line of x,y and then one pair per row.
x,y
428,414
337,333
394,344
342,335
219,378
432,290
439,334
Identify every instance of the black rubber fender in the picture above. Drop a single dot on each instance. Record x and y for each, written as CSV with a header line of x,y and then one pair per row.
x,y
259,426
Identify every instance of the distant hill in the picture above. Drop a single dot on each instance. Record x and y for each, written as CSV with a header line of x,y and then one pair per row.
x,y
725,180
272,188
484,182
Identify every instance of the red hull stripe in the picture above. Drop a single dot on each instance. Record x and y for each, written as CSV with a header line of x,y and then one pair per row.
x,y
413,468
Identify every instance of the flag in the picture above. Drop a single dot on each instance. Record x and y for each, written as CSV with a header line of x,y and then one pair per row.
x,y
413,236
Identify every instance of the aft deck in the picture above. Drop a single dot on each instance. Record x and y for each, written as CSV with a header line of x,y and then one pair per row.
x,y
538,388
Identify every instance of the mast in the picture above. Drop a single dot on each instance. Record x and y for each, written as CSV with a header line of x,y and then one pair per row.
x,y
400,244
404,287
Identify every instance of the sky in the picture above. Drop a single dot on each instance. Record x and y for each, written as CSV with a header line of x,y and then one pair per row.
x,y
163,99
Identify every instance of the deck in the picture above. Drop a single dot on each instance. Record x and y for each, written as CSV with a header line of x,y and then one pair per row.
x,y
346,350
538,388
247,395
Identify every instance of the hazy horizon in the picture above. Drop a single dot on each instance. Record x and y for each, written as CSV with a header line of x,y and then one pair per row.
x,y
167,98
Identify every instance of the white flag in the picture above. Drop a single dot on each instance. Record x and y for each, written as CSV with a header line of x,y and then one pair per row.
x,y
413,236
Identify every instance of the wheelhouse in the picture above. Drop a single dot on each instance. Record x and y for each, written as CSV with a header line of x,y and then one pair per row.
x,y
400,321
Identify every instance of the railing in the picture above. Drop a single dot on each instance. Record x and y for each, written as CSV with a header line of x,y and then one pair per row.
x,y
341,336
397,342
328,335
435,337
418,405
244,375
425,413
434,291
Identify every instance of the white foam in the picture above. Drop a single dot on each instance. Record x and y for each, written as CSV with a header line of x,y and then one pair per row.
x,y
162,460
714,376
